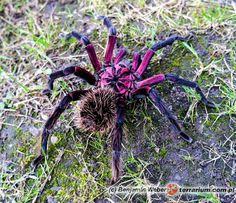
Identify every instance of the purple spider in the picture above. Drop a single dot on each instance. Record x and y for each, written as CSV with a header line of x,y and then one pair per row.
x,y
102,107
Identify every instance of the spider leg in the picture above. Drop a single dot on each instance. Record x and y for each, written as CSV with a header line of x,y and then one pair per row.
x,y
136,61
111,39
80,72
151,81
156,99
141,92
150,52
89,48
73,96
116,143
120,55
176,79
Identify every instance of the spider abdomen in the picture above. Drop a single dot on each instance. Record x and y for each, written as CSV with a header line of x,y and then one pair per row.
x,y
97,110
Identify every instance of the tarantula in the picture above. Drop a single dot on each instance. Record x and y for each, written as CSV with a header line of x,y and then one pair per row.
x,y
102,108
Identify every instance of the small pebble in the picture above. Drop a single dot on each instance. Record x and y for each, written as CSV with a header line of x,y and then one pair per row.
x,y
54,139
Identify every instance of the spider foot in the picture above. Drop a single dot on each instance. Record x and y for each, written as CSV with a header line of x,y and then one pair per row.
x,y
108,24
37,161
113,181
100,17
47,92
190,36
66,36
187,38
186,137
76,35
62,35
209,103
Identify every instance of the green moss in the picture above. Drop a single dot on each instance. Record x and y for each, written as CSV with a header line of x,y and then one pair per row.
x,y
76,179
163,152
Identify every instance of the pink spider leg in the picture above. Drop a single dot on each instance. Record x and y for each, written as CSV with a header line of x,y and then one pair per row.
x,y
151,81
63,105
76,70
116,143
150,52
120,55
156,99
111,40
176,79
136,61
89,48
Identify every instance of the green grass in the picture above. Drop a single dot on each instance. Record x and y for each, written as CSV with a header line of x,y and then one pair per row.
x,y
30,49
210,197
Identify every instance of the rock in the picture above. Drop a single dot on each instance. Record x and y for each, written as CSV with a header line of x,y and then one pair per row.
x,y
54,139
34,131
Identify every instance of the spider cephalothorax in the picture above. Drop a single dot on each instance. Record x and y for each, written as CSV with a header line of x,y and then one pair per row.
x,y
97,110
103,106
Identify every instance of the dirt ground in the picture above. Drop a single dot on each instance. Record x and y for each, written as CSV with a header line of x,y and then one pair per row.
x,y
78,167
